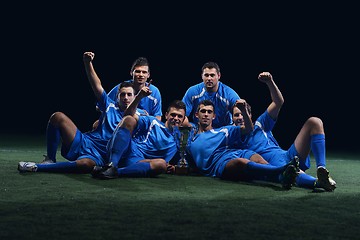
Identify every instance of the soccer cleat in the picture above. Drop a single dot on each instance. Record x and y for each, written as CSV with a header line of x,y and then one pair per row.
x,y
97,170
324,180
289,177
105,172
109,173
47,160
295,162
27,167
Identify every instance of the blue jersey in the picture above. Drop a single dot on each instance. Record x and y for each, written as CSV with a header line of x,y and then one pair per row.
x,y
262,141
211,150
151,103
223,101
93,144
151,139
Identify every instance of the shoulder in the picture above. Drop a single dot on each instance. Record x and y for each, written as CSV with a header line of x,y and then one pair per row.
x,y
194,89
225,88
196,86
154,88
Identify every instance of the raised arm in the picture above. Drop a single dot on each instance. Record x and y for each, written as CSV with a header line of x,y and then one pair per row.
x,y
276,96
93,78
131,109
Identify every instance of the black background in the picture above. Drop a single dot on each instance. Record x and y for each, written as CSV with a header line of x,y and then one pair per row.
x,y
311,50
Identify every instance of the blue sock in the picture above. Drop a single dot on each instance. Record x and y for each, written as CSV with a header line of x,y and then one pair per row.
x,y
259,171
318,149
140,169
52,141
305,181
59,167
119,144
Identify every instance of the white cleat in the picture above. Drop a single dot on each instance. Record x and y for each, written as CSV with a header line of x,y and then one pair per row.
x,y
27,167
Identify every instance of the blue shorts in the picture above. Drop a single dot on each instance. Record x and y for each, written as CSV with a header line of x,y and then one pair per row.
x,y
281,157
227,156
85,147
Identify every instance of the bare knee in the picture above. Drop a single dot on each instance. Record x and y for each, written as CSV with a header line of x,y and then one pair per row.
x,y
158,166
315,124
258,159
85,165
234,169
56,118
128,122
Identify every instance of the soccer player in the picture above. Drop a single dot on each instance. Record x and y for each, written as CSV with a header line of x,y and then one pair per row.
x,y
212,152
142,146
83,150
140,73
222,96
310,138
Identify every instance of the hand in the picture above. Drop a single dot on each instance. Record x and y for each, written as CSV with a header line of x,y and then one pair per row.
x,y
170,169
88,56
240,104
265,77
144,91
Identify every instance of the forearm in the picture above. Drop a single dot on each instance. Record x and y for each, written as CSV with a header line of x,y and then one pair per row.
x,y
94,80
131,109
276,95
248,124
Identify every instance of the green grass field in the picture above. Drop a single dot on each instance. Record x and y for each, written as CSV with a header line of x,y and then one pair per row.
x,y
59,206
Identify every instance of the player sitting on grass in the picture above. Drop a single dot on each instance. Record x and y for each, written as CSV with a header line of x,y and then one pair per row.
x,y
83,150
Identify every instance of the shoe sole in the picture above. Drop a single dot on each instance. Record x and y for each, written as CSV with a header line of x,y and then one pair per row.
x,y
324,181
290,175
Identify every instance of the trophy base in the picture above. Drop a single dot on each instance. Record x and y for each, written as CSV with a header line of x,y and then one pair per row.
x,y
182,170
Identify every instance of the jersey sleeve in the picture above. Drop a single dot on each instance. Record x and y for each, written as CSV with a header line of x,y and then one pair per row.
x,y
113,92
157,108
188,102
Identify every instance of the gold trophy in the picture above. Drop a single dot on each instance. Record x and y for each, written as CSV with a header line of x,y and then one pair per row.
x,y
182,166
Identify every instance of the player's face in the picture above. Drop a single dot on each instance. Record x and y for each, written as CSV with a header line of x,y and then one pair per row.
x,y
210,77
238,117
125,97
140,74
205,115
175,116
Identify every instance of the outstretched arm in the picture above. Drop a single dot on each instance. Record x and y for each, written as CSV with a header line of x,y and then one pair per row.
x,y
276,96
94,80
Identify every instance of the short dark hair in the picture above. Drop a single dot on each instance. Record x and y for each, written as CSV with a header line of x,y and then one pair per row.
x,y
126,84
211,65
178,104
205,102
140,61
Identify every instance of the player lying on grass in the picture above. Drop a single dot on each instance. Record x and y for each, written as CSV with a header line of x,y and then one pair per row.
x,y
211,148
310,138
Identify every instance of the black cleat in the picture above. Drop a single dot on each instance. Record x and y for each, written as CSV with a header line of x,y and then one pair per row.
x,y
289,177
108,173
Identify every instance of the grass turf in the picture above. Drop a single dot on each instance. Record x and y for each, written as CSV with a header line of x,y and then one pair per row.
x,y
70,206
